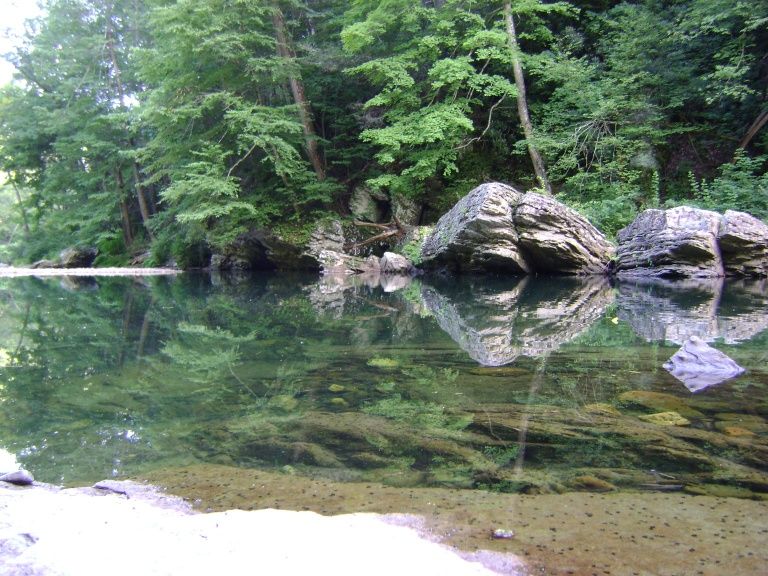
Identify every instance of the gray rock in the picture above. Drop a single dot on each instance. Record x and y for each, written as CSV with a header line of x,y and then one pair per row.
x,y
478,234
676,243
406,210
18,477
392,263
557,239
338,263
496,228
265,250
743,243
78,257
367,205
699,366
495,322
674,310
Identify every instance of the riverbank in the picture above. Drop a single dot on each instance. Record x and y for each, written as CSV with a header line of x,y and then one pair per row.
x,y
127,529
13,272
573,534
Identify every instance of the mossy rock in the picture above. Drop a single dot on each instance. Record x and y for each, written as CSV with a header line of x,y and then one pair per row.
x,y
665,419
602,408
592,484
384,363
658,402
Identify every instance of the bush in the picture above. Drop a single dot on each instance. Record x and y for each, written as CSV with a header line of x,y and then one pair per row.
x,y
741,185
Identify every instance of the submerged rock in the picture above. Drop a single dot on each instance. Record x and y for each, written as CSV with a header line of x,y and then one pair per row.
x,y
496,228
698,365
665,419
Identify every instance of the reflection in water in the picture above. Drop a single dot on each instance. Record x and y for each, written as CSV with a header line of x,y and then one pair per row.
x,y
496,322
349,381
662,310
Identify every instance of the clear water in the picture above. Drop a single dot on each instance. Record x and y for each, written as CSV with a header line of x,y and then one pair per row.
x,y
514,385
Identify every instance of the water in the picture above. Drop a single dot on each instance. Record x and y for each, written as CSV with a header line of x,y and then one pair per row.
x,y
517,385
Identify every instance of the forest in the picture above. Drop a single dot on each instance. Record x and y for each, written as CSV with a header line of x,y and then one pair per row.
x,y
160,130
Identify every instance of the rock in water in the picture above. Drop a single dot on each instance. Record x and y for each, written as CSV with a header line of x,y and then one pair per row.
x,y
744,244
698,365
478,234
78,257
19,477
676,243
392,263
496,228
558,240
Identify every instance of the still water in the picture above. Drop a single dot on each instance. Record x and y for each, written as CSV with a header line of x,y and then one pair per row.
x,y
517,385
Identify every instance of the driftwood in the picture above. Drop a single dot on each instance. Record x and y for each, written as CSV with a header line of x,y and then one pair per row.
x,y
389,230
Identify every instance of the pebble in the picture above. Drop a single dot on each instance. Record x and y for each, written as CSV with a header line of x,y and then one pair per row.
x,y
502,534
19,477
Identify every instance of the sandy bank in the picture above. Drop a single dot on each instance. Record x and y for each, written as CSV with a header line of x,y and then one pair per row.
x,y
11,272
46,531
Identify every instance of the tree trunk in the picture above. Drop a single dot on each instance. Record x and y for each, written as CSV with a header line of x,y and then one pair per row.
x,y
125,216
297,89
522,102
143,208
21,209
760,121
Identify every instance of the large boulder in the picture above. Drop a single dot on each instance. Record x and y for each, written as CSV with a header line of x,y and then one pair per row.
x,y
266,250
676,243
687,242
368,205
557,239
477,234
496,228
743,243
78,257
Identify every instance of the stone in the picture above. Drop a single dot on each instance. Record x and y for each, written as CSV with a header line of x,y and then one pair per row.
x,y
691,307
658,401
498,229
558,240
78,257
665,419
502,534
526,318
699,366
391,263
592,483
266,250
338,263
743,243
406,210
367,205
18,477
478,234
677,243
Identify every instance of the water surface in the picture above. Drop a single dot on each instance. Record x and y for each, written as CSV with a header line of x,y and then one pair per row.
x,y
515,385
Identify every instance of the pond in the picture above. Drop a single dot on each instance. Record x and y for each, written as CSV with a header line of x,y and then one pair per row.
x,y
480,387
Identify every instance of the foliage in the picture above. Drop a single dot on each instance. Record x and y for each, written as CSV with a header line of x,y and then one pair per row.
x,y
176,126
741,185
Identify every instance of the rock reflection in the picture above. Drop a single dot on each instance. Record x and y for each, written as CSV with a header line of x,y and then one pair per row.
x,y
674,311
495,322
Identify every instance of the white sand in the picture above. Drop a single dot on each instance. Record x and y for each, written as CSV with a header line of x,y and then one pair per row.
x,y
81,532
11,272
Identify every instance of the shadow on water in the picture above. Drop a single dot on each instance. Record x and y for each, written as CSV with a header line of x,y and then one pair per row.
x,y
517,385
